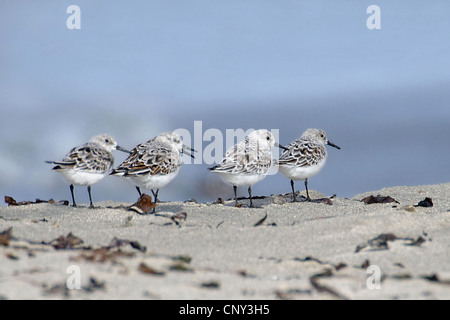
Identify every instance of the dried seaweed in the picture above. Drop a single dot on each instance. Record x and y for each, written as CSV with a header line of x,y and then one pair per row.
x,y
179,266
245,274
57,289
323,200
400,276
103,254
177,218
117,243
340,266
260,222
70,242
365,264
219,224
306,259
12,202
381,242
94,285
63,290
416,242
180,263
12,256
111,252
66,242
291,293
210,285
378,243
183,259
144,268
327,273
336,267
435,278
5,236
378,199
426,203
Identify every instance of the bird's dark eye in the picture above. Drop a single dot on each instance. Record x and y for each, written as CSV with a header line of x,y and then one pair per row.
x,y
107,140
268,138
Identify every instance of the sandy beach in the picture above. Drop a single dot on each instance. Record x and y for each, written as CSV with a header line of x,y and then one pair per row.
x,y
280,250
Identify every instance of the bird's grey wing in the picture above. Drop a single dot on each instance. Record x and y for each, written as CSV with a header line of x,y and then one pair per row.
x,y
149,158
302,153
88,157
244,157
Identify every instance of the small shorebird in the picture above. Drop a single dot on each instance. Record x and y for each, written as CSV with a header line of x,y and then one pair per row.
x,y
305,157
247,162
89,163
155,163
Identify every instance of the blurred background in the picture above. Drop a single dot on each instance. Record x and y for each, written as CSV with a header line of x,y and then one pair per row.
x,y
139,68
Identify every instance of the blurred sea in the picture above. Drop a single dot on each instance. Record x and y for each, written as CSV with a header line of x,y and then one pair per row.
x,y
139,68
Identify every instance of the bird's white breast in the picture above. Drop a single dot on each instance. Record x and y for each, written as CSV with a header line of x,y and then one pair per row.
x,y
301,173
82,178
241,179
153,182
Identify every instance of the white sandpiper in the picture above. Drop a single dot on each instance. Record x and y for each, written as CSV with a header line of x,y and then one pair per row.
x,y
89,163
155,163
247,162
304,158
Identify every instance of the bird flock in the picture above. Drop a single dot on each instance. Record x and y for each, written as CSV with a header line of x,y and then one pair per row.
x,y
155,163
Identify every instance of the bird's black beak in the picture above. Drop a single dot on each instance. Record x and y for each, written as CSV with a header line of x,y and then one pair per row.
x,y
280,146
122,149
188,151
333,145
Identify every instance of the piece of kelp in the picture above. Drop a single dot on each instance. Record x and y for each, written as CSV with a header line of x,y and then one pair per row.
x,y
426,203
378,199
10,201
381,242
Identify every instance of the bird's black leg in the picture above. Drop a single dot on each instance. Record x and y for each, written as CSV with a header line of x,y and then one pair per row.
x,y
139,191
90,197
250,195
294,196
235,196
73,196
307,192
155,195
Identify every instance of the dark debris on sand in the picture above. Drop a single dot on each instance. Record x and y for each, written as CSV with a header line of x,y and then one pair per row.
x,y
378,199
10,201
381,242
426,203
